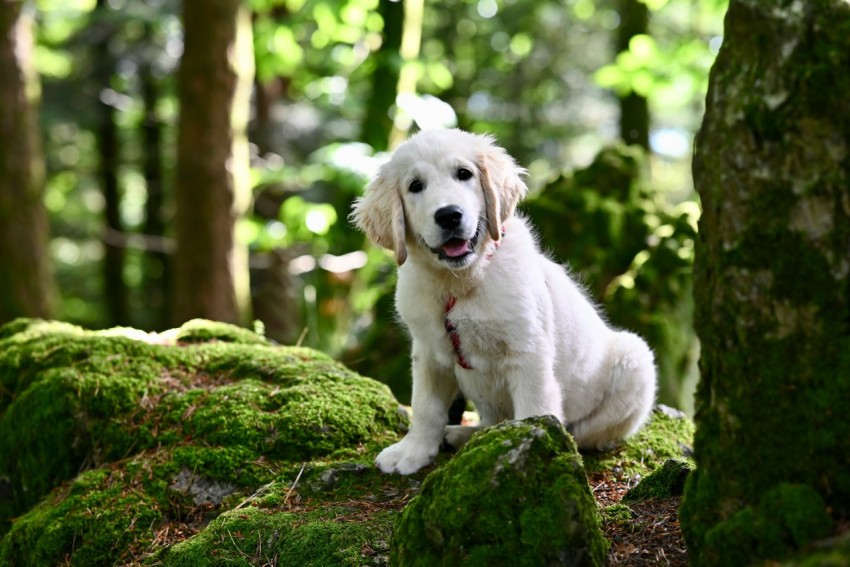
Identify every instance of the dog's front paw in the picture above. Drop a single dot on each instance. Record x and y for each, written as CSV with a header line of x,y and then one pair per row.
x,y
405,457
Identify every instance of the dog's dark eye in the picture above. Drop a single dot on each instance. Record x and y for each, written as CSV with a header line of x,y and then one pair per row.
x,y
463,174
415,186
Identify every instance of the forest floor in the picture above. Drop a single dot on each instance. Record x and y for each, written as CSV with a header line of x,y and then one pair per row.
x,y
652,536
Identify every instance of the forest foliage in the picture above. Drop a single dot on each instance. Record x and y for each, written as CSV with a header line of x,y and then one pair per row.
x,y
337,83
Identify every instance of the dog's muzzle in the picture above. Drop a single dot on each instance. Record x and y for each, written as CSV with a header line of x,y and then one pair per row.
x,y
456,246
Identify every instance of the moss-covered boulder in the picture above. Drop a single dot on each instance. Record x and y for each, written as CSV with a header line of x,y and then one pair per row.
x,y
516,494
132,432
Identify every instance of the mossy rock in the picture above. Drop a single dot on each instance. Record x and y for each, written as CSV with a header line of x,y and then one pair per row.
x,y
216,408
332,535
516,494
664,482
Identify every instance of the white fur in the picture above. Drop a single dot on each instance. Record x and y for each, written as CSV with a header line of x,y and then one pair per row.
x,y
535,343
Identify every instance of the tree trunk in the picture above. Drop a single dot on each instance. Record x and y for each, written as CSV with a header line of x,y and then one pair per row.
x,y
156,264
772,286
634,109
408,74
108,147
26,281
212,191
377,124
267,94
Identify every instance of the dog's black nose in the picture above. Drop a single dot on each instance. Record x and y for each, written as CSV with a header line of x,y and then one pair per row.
x,y
448,217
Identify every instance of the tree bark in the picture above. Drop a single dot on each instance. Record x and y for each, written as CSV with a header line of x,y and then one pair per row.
x,y
772,286
212,191
26,280
634,108
109,151
377,125
156,270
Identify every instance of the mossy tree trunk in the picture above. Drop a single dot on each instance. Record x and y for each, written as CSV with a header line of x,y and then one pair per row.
x,y
26,281
212,191
772,285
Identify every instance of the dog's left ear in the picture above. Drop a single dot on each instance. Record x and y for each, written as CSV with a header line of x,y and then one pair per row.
x,y
380,214
502,184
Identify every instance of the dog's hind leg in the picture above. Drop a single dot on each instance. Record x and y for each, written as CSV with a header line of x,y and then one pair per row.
x,y
458,435
628,399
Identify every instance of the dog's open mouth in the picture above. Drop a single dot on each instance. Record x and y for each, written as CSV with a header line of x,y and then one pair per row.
x,y
455,250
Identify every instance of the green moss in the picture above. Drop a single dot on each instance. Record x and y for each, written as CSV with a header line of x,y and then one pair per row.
x,y
667,435
73,400
250,536
515,494
237,464
617,514
201,330
832,552
788,517
94,521
65,394
666,481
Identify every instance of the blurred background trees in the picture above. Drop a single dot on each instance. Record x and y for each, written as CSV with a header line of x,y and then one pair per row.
x,y
163,176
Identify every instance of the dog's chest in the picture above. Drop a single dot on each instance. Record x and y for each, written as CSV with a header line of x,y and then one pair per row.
x,y
476,338
477,330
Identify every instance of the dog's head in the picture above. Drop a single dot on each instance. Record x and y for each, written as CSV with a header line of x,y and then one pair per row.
x,y
444,192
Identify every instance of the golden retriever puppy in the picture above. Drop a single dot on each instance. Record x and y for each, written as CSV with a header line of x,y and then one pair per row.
x,y
487,312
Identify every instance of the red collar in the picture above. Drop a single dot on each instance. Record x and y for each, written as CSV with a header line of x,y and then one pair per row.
x,y
453,336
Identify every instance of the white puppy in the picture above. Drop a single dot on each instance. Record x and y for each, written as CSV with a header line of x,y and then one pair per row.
x,y
488,313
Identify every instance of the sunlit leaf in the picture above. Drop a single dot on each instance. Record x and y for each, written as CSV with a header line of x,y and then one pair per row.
x,y
584,9
521,44
655,5
53,62
643,47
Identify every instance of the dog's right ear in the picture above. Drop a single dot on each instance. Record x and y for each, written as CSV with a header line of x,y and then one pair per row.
x,y
380,214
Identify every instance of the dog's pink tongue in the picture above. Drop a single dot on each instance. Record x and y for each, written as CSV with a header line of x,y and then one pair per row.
x,y
456,247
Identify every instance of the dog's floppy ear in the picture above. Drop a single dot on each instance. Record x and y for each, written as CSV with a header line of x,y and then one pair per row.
x,y
380,214
502,184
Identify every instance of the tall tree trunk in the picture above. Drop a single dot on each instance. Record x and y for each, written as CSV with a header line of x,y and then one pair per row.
x,y
411,40
267,93
377,124
26,281
156,270
108,146
634,109
772,285
212,191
